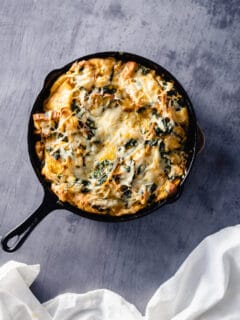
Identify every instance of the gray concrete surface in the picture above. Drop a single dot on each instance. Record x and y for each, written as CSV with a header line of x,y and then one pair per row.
x,y
198,41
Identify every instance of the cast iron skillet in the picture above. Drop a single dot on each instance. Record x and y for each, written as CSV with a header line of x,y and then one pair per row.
x,y
15,238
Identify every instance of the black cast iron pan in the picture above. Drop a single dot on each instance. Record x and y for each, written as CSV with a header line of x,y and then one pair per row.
x,y
15,238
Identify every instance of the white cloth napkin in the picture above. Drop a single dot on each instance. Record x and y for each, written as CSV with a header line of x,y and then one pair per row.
x,y
206,287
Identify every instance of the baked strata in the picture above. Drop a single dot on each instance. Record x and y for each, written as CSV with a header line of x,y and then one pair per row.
x,y
112,136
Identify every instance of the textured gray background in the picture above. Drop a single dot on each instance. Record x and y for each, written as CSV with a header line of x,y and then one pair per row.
x,y
198,41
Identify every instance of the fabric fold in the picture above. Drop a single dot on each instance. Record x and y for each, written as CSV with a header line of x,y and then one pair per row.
x,y
16,299
203,285
97,305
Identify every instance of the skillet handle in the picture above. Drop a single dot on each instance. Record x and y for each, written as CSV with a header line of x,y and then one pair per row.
x,y
200,140
14,239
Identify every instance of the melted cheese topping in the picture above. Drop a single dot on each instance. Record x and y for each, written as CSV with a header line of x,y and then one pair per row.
x,y
113,135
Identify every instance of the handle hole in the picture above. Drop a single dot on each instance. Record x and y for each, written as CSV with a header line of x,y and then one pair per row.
x,y
13,241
